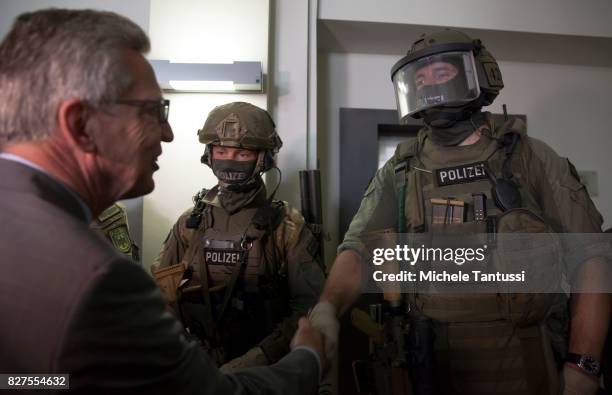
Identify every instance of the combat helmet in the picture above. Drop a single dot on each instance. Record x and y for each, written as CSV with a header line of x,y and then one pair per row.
x,y
241,125
477,83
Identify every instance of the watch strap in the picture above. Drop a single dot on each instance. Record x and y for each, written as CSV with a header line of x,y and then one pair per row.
x,y
585,362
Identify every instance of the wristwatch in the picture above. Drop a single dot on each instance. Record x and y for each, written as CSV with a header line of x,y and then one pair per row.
x,y
585,362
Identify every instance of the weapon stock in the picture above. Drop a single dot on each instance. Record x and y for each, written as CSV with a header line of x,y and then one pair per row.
x,y
168,280
362,321
380,375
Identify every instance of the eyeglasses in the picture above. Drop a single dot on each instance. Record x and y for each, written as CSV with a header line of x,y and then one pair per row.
x,y
160,107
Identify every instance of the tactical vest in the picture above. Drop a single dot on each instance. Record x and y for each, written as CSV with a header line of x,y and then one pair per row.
x,y
113,225
234,280
485,342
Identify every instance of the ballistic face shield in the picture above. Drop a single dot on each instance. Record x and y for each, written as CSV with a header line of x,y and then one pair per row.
x,y
445,70
445,79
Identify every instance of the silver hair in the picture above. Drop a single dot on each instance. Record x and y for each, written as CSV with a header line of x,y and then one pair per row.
x,y
57,54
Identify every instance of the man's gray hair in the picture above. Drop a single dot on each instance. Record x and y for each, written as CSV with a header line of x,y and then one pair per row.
x,y
53,55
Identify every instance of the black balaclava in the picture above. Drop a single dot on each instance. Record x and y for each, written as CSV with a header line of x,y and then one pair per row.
x,y
238,185
233,172
450,125
453,132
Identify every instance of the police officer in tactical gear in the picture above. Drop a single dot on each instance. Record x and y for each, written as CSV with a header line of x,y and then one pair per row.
x,y
485,343
244,266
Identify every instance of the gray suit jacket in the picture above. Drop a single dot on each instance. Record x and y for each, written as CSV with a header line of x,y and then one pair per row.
x,y
70,304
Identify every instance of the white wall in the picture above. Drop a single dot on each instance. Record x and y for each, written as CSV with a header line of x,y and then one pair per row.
x,y
572,17
566,106
288,98
345,80
210,30
196,31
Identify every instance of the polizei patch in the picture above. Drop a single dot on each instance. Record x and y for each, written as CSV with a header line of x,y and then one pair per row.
x,y
223,257
461,174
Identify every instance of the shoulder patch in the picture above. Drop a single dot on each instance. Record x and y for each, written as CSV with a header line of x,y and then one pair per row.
x,y
121,239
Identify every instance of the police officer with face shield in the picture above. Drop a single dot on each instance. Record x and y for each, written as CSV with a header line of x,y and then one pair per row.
x,y
464,175
240,268
446,79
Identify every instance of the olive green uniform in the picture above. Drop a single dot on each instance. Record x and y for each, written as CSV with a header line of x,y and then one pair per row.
x,y
282,274
485,343
112,224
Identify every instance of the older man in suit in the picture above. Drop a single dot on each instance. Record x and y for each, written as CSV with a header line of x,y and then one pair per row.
x,y
81,125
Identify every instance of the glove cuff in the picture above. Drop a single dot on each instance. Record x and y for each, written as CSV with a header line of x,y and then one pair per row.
x,y
325,310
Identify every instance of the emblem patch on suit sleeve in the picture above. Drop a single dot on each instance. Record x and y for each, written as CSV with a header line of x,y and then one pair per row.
x,y
121,239
461,174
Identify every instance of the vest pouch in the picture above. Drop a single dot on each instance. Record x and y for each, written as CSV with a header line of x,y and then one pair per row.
x,y
275,307
459,242
243,324
526,244
458,307
199,329
462,235
194,314
459,301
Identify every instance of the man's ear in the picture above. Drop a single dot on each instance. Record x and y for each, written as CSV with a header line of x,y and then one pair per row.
x,y
72,120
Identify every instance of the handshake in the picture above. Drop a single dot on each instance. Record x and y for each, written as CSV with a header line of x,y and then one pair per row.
x,y
319,332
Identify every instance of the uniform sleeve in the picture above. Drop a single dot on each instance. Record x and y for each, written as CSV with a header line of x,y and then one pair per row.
x,y
378,210
564,199
175,245
305,279
565,203
105,350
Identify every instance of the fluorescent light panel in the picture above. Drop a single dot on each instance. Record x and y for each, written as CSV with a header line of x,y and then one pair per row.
x,y
203,86
208,77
